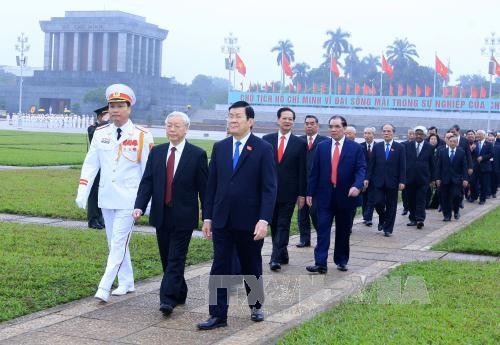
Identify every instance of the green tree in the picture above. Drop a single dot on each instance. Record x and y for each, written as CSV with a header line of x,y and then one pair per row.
x,y
284,47
208,91
337,43
96,97
301,73
402,53
352,63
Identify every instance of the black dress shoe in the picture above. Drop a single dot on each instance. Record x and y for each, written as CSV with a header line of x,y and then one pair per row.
x,y
274,266
212,322
368,223
317,269
482,202
380,227
446,219
166,309
420,225
285,261
405,212
387,234
303,244
342,268
461,204
412,223
96,225
457,215
257,315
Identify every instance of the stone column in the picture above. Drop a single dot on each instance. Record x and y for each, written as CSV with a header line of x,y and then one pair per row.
x,y
121,65
76,52
105,51
159,50
130,53
90,53
139,56
57,40
62,44
47,53
151,60
146,55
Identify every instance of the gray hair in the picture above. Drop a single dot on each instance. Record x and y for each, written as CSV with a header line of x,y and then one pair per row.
x,y
180,114
481,131
370,129
352,128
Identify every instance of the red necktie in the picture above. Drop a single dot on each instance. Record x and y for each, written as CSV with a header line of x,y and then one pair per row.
x,y
169,176
281,148
310,143
335,163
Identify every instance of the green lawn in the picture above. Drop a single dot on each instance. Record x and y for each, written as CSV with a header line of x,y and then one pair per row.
x,y
41,267
464,309
480,237
35,148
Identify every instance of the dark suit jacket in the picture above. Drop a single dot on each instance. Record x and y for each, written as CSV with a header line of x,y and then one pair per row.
x,y
486,152
239,199
464,144
451,172
310,153
292,169
350,173
496,156
419,170
364,146
391,172
188,185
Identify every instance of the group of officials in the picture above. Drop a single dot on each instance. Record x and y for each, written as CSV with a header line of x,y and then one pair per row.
x,y
251,184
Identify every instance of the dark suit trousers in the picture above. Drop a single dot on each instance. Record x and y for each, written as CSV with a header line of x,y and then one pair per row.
x,y
484,178
450,197
386,204
343,218
417,198
305,216
94,213
404,198
280,230
249,254
173,244
368,203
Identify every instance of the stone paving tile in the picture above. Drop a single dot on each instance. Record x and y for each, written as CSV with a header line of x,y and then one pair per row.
x,y
42,338
469,257
254,334
5,217
40,220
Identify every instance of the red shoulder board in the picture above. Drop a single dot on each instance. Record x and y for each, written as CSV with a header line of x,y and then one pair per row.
x,y
101,127
142,129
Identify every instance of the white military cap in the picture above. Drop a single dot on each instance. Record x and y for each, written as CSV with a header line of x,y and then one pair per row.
x,y
120,93
421,128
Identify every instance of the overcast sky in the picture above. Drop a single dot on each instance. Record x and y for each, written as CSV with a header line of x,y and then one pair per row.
x,y
455,29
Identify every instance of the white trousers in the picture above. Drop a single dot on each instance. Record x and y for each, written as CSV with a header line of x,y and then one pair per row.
x,y
118,231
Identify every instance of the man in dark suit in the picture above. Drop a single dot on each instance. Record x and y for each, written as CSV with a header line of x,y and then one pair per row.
x,y
174,179
483,166
496,161
239,203
419,174
367,206
306,215
410,139
387,172
94,213
290,159
335,182
451,177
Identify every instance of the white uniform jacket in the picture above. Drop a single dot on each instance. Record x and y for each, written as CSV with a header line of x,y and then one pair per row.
x,y
122,163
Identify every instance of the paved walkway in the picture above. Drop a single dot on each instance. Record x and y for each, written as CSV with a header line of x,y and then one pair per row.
x,y
293,295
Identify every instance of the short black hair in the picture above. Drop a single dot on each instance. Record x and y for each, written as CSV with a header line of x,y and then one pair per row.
x,y
343,121
457,127
311,117
281,110
249,112
470,130
433,127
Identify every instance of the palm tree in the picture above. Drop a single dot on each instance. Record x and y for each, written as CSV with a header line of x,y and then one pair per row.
x,y
401,53
351,60
285,47
337,43
301,72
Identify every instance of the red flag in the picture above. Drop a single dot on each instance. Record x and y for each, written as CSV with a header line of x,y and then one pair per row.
x,y
285,64
290,87
314,87
366,89
445,91
339,89
418,91
357,89
441,69
387,68
497,66
483,92
427,91
266,88
334,68
454,91
273,86
305,87
323,88
240,65
374,90
348,89
463,92
299,87
473,92
400,90
391,90
408,90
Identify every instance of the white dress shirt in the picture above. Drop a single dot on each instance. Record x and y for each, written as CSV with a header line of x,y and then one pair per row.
x,y
178,152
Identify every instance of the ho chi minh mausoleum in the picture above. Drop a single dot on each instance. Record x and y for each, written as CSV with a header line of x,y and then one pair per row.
x,y
85,50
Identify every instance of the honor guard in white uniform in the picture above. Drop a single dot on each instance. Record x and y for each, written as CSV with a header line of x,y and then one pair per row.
x,y
120,150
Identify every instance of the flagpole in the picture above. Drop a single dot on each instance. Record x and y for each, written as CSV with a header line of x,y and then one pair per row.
x,y
434,87
330,69
381,76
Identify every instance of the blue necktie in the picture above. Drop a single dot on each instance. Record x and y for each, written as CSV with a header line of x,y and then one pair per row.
x,y
387,151
452,155
236,155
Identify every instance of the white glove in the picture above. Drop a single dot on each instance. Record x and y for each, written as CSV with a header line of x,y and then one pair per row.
x,y
80,199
